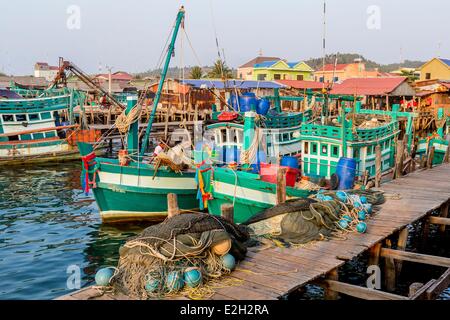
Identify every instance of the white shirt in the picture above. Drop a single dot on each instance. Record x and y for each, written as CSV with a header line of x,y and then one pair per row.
x,y
158,150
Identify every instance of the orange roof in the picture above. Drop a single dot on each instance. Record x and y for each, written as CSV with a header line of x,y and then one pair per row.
x,y
330,67
368,86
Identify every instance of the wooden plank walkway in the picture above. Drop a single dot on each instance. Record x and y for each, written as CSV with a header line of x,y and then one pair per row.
x,y
271,273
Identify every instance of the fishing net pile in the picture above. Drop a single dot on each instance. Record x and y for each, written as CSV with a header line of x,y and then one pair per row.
x,y
155,262
325,215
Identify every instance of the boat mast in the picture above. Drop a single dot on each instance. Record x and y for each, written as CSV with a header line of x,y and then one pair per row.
x,y
170,50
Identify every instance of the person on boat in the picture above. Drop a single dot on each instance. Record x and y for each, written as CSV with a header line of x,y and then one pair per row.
x,y
159,148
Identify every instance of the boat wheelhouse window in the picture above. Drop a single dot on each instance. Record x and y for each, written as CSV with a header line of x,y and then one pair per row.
x,y
356,153
314,148
33,116
25,137
8,117
13,138
46,115
21,117
50,134
335,151
38,136
306,151
324,150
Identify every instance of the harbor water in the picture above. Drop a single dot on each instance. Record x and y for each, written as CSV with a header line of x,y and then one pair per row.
x,y
50,230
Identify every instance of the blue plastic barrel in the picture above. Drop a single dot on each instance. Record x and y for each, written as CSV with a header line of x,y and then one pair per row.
x,y
291,162
346,172
263,107
234,101
260,157
248,102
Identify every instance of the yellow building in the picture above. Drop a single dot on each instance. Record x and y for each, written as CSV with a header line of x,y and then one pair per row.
x,y
282,70
435,69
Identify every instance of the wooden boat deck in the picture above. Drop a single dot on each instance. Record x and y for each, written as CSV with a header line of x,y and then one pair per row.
x,y
271,273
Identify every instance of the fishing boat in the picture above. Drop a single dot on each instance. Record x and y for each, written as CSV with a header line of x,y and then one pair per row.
x,y
35,130
249,184
436,141
354,133
127,188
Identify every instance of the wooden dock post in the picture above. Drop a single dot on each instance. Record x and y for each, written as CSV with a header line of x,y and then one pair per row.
x,y
389,270
399,155
281,185
374,257
227,212
430,158
447,155
377,166
444,214
172,205
331,294
401,245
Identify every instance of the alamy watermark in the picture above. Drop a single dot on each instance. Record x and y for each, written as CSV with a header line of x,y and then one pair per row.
x,y
74,17
374,17
74,280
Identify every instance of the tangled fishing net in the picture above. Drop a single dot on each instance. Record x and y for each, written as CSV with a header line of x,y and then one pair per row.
x,y
326,215
152,264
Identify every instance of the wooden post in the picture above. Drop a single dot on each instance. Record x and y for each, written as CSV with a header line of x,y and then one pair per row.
x,y
377,166
399,155
430,158
444,214
281,185
447,155
413,288
425,232
172,205
389,270
423,162
374,258
330,294
227,212
401,245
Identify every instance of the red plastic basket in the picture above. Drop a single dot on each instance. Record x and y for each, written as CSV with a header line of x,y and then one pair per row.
x,y
269,174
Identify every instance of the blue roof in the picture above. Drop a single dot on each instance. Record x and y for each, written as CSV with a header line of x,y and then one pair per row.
x,y
446,61
293,64
266,64
8,94
238,84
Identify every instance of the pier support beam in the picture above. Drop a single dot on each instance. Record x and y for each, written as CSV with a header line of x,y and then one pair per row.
x,y
331,294
389,269
401,245
444,214
430,158
377,166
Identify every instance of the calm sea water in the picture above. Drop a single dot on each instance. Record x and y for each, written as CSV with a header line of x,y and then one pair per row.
x,y
48,225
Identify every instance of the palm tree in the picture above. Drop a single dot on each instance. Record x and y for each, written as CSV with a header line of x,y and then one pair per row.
x,y
196,72
220,70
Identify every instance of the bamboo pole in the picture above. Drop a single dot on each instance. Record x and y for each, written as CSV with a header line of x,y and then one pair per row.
x,y
377,166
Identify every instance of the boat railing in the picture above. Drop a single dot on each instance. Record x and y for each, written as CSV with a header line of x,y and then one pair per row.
x,y
360,134
37,104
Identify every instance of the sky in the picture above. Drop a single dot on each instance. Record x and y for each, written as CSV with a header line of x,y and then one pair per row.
x,y
130,35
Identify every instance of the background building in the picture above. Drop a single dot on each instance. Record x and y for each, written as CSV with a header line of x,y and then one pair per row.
x,y
282,70
245,72
435,69
44,70
340,72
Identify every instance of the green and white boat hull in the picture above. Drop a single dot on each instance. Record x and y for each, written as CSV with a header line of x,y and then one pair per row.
x,y
249,194
135,193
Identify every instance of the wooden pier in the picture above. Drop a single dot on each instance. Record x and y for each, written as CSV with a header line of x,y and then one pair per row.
x,y
274,273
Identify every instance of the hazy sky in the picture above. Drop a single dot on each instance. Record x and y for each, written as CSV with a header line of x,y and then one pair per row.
x,y
129,35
